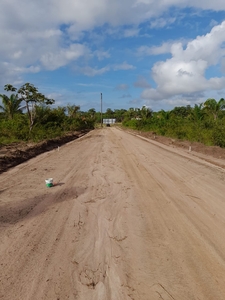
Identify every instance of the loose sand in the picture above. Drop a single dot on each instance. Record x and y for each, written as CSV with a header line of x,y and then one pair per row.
x,y
127,218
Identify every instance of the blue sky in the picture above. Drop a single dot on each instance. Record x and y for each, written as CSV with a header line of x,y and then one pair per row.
x,y
158,53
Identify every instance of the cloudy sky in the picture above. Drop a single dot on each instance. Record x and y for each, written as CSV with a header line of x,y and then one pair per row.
x,y
159,53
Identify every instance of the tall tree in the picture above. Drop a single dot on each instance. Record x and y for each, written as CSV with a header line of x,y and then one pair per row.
x,y
119,114
130,113
29,93
146,112
92,112
109,113
72,110
197,113
181,111
163,116
214,108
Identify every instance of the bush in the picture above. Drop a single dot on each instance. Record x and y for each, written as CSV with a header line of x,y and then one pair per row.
x,y
14,130
218,135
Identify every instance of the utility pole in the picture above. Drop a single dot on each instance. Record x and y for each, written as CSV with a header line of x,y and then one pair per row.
x,y
101,109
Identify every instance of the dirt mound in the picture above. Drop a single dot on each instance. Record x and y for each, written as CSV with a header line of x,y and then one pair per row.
x,y
214,151
17,153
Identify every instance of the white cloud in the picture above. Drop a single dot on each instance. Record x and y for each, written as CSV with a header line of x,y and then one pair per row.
x,y
154,50
89,71
54,60
45,34
178,102
223,65
8,75
162,22
81,15
123,66
17,54
185,71
162,4
25,48
11,73
41,34
158,50
31,69
102,54
131,32
213,23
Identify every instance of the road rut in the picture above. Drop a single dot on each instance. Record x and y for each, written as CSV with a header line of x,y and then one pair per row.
x,y
126,219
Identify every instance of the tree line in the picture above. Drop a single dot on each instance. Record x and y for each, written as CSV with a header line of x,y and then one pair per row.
x,y
203,123
26,114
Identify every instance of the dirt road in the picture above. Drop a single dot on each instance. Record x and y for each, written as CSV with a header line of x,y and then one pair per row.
x,y
126,219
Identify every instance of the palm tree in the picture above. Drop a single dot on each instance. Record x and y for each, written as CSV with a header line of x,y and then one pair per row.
x,y
197,113
164,115
72,110
130,113
212,107
28,93
11,105
146,112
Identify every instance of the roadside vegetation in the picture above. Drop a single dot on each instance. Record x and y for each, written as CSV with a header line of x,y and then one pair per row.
x,y
28,115
204,123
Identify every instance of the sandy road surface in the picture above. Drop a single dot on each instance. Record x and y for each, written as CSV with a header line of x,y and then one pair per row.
x,y
127,219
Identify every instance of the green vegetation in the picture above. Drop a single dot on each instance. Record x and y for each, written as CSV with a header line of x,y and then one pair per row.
x,y
11,105
203,123
27,114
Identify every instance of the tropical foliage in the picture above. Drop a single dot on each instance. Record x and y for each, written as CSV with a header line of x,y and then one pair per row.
x,y
203,123
27,114
30,95
10,105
